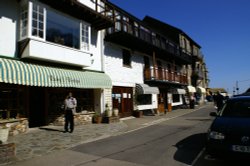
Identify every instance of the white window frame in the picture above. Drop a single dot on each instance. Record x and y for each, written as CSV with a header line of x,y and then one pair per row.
x,y
29,5
83,45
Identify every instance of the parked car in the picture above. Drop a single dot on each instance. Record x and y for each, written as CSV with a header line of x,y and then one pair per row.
x,y
229,133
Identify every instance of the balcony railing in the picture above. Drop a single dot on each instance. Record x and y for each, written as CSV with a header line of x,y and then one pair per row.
x,y
142,33
162,74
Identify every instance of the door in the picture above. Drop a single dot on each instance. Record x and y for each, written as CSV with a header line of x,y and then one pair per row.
x,y
122,98
36,107
161,103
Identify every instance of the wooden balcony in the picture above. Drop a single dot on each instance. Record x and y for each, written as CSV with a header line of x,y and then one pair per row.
x,y
163,75
133,34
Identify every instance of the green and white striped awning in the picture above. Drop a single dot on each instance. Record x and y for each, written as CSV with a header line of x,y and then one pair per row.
x,y
17,72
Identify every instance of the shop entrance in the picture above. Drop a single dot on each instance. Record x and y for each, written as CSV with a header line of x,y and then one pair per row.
x,y
36,107
122,98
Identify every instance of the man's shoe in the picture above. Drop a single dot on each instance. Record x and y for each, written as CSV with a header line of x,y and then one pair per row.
x,y
65,131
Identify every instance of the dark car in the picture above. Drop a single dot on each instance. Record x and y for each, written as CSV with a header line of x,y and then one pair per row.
x,y
230,131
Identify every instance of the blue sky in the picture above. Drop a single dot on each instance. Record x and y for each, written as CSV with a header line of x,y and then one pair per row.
x,y
221,27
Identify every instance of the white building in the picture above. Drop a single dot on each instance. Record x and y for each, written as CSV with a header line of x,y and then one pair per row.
x,y
48,48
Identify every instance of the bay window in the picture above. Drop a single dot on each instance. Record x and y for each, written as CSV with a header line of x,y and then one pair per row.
x,y
52,26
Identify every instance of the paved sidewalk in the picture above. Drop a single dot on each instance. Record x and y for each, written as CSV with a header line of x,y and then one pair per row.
x,y
41,141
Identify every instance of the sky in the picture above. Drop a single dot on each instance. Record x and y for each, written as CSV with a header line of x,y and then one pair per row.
x,y
220,27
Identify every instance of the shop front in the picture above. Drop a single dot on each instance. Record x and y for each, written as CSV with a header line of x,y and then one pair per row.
x,y
122,98
37,92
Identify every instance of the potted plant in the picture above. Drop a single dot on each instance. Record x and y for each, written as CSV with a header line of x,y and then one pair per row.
x,y
137,113
97,118
4,134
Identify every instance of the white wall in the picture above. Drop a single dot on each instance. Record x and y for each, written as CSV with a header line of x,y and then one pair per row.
x,y
96,50
88,3
120,75
8,27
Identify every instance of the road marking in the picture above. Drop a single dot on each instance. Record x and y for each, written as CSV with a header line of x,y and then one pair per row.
x,y
198,156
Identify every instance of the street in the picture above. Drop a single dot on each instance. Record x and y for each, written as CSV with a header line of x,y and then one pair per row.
x,y
174,141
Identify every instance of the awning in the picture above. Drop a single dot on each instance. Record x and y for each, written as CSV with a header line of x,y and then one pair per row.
x,y
201,89
178,91
17,72
181,91
191,89
146,89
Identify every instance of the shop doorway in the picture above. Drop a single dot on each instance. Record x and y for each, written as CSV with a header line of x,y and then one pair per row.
x,y
36,107
122,98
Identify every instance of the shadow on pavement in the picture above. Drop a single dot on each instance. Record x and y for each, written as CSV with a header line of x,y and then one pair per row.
x,y
50,129
189,148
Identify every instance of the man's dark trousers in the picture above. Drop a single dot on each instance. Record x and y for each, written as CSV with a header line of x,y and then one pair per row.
x,y
69,120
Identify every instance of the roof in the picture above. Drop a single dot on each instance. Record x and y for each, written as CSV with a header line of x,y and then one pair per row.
x,y
167,29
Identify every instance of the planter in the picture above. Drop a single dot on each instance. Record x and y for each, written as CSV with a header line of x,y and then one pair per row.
x,y
109,113
4,134
115,111
97,119
137,114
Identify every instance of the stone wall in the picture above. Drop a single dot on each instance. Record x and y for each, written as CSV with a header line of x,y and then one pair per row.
x,y
16,126
79,119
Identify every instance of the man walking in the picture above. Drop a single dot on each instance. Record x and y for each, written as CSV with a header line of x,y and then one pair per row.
x,y
70,108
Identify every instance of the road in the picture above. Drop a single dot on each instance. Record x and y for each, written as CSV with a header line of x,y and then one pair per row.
x,y
176,142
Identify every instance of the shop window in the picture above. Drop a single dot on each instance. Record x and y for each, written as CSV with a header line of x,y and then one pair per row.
x,y
176,98
126,57
11,104
145,99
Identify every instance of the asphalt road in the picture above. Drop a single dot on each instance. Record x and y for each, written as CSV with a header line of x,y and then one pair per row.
x,y
176,142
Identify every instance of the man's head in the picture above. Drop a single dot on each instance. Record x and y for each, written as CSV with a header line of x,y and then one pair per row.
x,y
70,94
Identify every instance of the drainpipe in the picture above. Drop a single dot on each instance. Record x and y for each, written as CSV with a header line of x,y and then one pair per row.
x,y
102,104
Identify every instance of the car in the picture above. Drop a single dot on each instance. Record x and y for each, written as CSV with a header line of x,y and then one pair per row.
x,y
229,132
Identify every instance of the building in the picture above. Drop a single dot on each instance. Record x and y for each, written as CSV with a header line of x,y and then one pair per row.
x,y
47,49
137,55
98,51
196,71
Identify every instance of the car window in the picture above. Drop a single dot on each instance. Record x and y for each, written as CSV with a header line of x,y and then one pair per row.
x,y
236,109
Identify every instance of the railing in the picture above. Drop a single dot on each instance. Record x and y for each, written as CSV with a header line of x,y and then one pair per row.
x,y
135,29
162,74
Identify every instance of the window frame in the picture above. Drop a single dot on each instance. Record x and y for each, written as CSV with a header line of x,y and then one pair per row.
x,y
29,6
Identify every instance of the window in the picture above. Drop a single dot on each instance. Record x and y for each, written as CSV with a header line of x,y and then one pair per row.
x,y
62,30
176,98
146,61
23,21
237,108
11,103
37,21
126,58
49,25
145,99
85,37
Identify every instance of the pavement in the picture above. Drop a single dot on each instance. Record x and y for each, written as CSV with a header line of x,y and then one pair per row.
x,y
39,143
